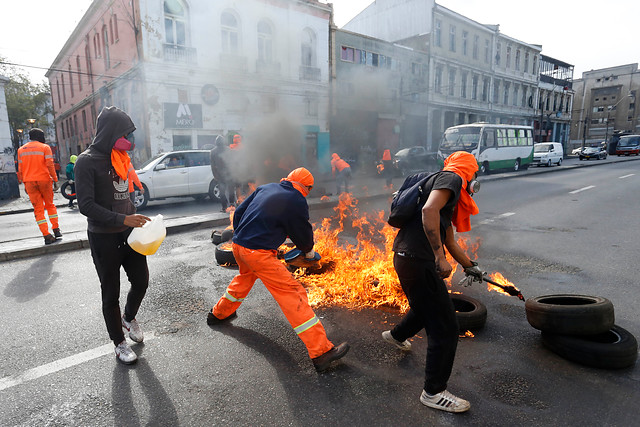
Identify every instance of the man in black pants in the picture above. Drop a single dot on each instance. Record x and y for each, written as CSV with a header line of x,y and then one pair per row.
x,y
421,265
102,191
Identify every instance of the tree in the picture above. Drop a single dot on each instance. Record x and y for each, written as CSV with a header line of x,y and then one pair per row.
x,y
25,100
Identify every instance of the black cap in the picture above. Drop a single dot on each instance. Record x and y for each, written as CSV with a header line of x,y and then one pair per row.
x,y
36,134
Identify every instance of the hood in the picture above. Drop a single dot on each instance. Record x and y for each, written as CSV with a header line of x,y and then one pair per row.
x,y
112,123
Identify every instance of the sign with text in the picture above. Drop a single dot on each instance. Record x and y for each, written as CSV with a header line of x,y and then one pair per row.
x,y
182,116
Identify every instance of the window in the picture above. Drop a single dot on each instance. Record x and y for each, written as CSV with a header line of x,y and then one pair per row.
x,y
476,40
311,106
70,80
487,51
516,90
463,85
58,93
79,72
265,42
64,92
474,87
347,54
105,40
508,60
535,63
452,82
465,36
496,92
438,34
438,80
198,159
452,38
526,62
180,142
498,50
96,45
523,103
505,96
111,30
517,59
308,48
88,60
62,129
485,89
115,37
175,23
84,120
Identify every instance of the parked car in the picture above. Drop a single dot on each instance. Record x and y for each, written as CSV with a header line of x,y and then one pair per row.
x,y
576,151
177,174
597,152
628,145
412,159
546,153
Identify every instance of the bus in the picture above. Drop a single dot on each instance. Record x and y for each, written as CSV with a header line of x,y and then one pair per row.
x,y
494,146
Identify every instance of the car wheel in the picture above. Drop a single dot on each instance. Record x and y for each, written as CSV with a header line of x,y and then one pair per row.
x,y
549,163
581,158
214,191
614,349
224,255
471,313
65,190
140,200
570,314
559,161
516,165
484,168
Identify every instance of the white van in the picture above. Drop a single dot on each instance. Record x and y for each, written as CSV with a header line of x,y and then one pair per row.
x,y
546,153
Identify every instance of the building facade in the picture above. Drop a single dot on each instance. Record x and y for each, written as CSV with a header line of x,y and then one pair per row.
x,y
554,102
605,104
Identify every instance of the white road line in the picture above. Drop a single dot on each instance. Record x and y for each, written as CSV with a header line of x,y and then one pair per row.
x,y
506,214
582,189
58,365
626,176
490,220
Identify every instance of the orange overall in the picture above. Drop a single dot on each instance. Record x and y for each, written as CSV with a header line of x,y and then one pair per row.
x,y
36,170
288,292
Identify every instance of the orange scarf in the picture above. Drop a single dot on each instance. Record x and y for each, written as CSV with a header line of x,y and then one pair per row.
x,y
464,165
120,161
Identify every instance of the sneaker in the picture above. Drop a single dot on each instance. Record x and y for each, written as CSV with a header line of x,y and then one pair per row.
x,y
125,354
135,333
323,361
213,320
444,401
49,239
57,233
404,345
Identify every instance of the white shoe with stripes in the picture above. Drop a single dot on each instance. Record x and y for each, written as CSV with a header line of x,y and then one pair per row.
x,y
444,401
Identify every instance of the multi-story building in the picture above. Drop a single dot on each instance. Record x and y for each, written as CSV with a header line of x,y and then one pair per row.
x,y
605,104
555,100
188,71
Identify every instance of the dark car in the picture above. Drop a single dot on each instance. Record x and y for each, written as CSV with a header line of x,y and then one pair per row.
x,y
599,152
628,145
413,159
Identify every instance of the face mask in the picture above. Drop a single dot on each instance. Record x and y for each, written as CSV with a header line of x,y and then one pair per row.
x,y
123,144
473,187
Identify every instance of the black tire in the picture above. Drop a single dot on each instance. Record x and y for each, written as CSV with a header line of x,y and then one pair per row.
x,y
560,162
484,168
65,190
218,236
140,200
548,163
214,191
516,165
471,313
224,255
581,158
570,314
614,349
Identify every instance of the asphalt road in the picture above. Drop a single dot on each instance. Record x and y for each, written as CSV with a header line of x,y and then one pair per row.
x,y
567,232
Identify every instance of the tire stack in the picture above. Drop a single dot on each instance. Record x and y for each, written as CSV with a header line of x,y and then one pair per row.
x,y
223,252
581,328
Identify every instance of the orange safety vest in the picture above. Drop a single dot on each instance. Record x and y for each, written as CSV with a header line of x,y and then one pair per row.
x,y
35,162
386,155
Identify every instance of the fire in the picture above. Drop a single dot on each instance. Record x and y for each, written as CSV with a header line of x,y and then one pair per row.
x,y
325,198
380,168
467,334
499,278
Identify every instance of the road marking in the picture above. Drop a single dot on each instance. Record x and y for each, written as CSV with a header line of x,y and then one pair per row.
x,y
490,220
626,176
506,214
582,189
58,365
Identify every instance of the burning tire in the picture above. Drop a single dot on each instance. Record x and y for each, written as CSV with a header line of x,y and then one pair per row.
x,y
471,313
570,314
614,349
218,236
224,255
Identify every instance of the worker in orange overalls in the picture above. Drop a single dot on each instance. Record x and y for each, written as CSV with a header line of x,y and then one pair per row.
x,y
387,164
133,179
341,170
36,170
261,224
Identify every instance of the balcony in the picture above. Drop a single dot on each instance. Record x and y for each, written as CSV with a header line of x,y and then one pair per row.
x,y
179,54
309,73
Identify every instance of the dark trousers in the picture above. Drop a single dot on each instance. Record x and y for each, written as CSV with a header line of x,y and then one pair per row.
x,y
110,251
388,171
430,308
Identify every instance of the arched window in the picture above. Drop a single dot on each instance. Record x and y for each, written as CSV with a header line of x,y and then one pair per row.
x,y
230,33
175,23
114,37
308,48
105,41
88,59
265,42
79,72
70,79
96,45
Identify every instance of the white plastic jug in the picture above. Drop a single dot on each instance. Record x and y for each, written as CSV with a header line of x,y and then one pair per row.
x,y
147,239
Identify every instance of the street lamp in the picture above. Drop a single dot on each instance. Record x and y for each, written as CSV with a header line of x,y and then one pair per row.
x,y
31,122
606,132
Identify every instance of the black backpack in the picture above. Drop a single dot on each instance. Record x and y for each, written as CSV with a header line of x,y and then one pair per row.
x,y
408,200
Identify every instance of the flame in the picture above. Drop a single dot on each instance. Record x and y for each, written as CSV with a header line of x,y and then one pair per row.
x,y
499,278
325,198
467,334
380,168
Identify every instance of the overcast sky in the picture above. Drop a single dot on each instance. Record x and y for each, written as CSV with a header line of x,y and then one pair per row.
x,y
586,34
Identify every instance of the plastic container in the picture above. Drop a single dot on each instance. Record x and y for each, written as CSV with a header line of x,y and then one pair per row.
x,y
147,239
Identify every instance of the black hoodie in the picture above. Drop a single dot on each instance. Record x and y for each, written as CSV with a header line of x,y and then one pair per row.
x,y
103,197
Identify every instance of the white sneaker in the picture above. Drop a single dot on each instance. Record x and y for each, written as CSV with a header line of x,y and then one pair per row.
x,y
135,333
404,346
125,354
445,401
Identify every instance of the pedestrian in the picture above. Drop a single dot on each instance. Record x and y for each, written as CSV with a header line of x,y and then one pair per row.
x,y
261,224
70,178
102,186
219,156
341,170
387,165
420,262
37,172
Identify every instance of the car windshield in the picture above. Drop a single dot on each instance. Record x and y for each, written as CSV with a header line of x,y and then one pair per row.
x,y
541,148
629,141
465,139
402,153
146,164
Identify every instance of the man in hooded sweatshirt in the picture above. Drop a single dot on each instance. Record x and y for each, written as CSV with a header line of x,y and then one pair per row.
x,y
421,264
261,224
102,189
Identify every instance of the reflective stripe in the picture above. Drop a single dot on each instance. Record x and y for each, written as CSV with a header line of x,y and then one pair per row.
x,y
48,157
306,325
32,153
53,216
42,221
231,298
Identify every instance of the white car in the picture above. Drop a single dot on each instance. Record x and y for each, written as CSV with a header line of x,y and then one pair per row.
x,y
547,153
176,174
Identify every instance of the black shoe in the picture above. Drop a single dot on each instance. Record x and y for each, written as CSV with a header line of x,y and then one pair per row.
x,y
49,239
323,361
213,320
57,233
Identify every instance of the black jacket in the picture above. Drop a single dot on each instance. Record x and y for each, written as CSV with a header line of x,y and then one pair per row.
x,y
103,197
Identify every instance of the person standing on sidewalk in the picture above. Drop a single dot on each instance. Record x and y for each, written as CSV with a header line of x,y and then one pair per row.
x,y
387,165
37,172
342,172
70,177
261,224
219,156
102,188
421,265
